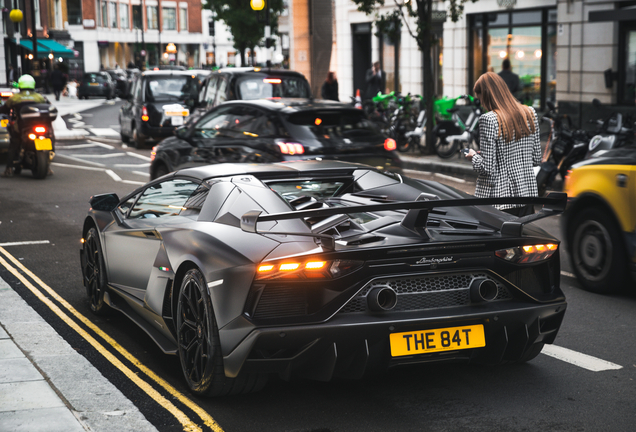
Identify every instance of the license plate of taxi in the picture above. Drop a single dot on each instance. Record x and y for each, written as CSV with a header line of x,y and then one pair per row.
x,y
177,121
437,340
43,144
4,122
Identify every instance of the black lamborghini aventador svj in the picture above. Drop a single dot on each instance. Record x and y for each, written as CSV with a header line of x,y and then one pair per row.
x,y
321,269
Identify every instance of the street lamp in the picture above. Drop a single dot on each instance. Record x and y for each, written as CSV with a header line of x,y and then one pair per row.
x,y
16,17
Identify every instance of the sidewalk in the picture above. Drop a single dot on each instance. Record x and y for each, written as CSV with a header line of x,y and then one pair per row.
x,y
435,164
47,386
67,105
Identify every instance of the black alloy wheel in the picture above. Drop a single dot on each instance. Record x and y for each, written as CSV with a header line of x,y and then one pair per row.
x,y
199,346
93,272
598,254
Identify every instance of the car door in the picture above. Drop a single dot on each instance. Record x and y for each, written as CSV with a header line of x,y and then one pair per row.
x,y
131,247
125,119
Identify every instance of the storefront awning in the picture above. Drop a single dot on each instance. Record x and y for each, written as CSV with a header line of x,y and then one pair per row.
x,y
46,47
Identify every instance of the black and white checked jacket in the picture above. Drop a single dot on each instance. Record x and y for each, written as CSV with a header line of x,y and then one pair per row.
x,y
505,169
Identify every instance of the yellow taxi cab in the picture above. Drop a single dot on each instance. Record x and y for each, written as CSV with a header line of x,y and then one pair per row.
x,y
600,221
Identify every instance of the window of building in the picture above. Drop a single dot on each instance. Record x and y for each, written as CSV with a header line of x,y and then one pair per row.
x,y
104,13
153,19
123,16
137,17
38,23
113,14
74,11
183,19
527,39
627,64
169,18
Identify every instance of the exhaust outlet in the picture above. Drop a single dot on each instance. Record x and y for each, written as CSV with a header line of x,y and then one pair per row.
x,y
382,299
482,289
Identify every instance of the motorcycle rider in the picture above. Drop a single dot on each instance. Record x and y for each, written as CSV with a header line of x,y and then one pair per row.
x,y
27,95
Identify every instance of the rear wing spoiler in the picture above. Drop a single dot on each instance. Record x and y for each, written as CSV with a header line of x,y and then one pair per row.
x,y
417,215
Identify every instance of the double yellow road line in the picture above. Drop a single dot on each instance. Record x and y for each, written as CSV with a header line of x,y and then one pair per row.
x,y
18,270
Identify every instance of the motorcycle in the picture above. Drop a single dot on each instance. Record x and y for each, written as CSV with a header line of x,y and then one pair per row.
x,y
37,140
612,133
564,148
457,133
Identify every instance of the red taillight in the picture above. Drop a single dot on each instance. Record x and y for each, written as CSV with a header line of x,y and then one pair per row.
x,y
390,144
315,269
6,94
527,254
40,129
144,114
153,153
291,148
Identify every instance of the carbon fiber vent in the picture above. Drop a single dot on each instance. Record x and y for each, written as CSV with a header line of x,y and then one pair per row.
x,y
425,292
281,301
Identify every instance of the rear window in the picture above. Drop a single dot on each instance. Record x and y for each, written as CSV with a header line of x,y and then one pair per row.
x,y
345,124
273,87
95,77
171,88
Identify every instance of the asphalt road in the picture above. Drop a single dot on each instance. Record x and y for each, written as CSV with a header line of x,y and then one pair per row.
x,y
549,393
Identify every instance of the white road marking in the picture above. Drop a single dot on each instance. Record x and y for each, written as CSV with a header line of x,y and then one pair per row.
x,y
101,144
451,178
145,174
81,146
114,176
143,165
568,274
102,156
82,161
105,132
579,359
82,167
35,242
137,155
132,182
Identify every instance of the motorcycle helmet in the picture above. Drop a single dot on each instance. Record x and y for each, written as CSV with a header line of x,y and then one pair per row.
x,y
26,82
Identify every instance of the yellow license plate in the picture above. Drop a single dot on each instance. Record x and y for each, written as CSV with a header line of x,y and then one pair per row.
x,y
4,122
93,84
43,144
436,340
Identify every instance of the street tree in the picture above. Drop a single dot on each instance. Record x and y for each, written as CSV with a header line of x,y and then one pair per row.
x,y
417,17
246,25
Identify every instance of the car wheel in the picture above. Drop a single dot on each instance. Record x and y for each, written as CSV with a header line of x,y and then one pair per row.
x,y
93,270
199,346
597,251
160,171
138,141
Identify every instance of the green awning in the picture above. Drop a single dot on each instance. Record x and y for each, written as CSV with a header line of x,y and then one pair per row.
x,y
46,47
58,50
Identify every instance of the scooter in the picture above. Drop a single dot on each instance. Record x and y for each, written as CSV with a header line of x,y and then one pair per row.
x,y
564,148
615,131
37,139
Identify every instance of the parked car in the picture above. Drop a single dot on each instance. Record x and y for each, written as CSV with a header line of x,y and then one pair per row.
x,y
121,82
96,84
273,131
601,220
158,103
320,269
248,84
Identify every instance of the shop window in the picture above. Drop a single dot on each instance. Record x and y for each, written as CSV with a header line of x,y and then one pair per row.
x,y
169,18
183,19
153,20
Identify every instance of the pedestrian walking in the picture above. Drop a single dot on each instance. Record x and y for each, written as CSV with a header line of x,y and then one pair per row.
x,y
329,88
510,78
58,82
510,146
376,81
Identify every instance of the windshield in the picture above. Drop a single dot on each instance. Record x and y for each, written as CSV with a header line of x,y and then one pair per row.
x,y
329,124
273,87
175,88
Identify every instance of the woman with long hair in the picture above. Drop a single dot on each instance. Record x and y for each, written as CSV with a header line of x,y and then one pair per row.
x,y
510,146
329,88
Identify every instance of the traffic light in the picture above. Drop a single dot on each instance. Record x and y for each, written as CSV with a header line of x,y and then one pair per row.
x,y
257,5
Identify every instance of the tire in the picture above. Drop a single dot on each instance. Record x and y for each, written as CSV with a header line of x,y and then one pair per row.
x,y
93,271
124,138
160,171
597,251
42,161
445,149
138,141
199,346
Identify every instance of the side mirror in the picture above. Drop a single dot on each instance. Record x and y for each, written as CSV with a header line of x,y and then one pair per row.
x,y
104,202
